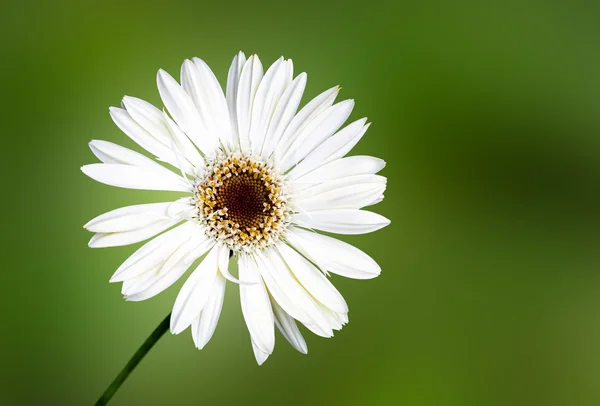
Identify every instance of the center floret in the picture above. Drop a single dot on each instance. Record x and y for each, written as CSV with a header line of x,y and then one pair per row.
x,y
241,201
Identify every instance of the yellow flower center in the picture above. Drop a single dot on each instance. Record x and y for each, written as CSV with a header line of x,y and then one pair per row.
x,y
240,199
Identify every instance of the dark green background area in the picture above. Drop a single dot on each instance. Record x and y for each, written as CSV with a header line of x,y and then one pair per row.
x,y
488,117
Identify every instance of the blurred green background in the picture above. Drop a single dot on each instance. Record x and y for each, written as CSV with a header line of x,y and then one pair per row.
x,y
488,117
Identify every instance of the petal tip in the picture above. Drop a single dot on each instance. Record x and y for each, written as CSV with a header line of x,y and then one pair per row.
x,y
113,110
127,100
93,242
261,361
161,75
87,169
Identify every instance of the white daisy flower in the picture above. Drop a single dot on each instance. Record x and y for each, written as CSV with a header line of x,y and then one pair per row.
x,y
260,179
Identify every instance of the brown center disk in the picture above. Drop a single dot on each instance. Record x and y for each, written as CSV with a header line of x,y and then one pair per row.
x,y
244,198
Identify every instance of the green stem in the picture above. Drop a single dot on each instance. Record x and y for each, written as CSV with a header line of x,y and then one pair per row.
x,y
134,361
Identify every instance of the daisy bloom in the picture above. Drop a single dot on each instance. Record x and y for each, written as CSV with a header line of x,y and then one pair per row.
x,y
260,180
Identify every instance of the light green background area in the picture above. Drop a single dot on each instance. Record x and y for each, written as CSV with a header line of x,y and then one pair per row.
x,y
488,117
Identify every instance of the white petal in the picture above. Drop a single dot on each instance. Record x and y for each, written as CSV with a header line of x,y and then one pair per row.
x,y
288,328
117,239
316,132
193,248
151,132
148,117
303,118
284,113
269,91
332,148
352,196
136,284
220,112
182,109
336,320
250,78
259,354
342,221
139,135
128,218
198,80
256,306
155,252
233,80
153,283
338,183
136,177
313,280
224,265
195,291
290,295
202,248
379,199
164,275
333,255
183,208
340,168
111,153
157,283
204,326
184,148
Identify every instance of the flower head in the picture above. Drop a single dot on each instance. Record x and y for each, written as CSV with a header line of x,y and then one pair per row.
x,y
261,179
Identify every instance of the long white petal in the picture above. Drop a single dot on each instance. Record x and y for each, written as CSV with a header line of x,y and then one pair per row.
x,y
333,255
224,265
184,208
304,117
256,306
342,221
117,239
138,283
315,133
111,153
336,320
340,168
155,252
147,126
154,282
194,293
182,109
138,134
136,177
166,274
204,326
220,112
284,113
288,328
338,183
252,74
290,295
313,280
332,148
233,80
148,117
183,147
269,91
260,355
128,218
198,80
354,196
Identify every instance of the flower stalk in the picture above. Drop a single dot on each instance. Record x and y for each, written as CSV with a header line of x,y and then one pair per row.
x,y
158,332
